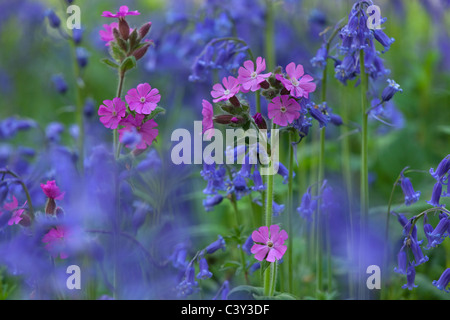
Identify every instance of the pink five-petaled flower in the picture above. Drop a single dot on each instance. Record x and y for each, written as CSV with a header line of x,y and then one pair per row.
x,y
107,34
111,112
250,78
145,129
16,213
228,90
52,191
297,83
55,242
207,122
143,99
283,110
123,11
269,246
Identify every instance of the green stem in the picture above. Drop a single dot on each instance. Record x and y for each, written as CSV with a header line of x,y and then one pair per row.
x,y
268,220
269,35
116,147
364,187
258,101
290,209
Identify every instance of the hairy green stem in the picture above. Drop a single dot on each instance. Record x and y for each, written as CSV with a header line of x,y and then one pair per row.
x,y
290,209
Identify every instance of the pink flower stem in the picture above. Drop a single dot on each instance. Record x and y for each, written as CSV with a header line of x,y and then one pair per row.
x,y
116,143
269,282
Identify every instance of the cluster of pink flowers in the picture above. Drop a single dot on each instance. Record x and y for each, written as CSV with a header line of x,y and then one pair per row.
x,y
282,109
142,100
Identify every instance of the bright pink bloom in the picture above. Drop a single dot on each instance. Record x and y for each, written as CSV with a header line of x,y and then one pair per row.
x,y
146,129
250,78
143,99
297,83
269,246
123,11
16,213
112,112
228,90
107,34
283,110
55,242
208,114
52,191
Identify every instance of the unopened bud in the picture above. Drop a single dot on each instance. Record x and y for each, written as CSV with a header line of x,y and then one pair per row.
x,y
223,118
265,85
124,28
259,120
26,220
59,212
143,31
50,206
235,101
139,53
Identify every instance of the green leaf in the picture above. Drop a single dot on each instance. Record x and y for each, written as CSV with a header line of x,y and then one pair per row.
x,y
230,264
155,112
245,292
127,64
110,63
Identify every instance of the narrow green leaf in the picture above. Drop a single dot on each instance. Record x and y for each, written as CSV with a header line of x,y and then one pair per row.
x,y
110,63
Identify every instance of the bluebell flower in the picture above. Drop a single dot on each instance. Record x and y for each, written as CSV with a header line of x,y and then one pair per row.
x,y
277,209
402,261
216,245
319,113
210,202
320,59
442,169
383,39
53,18
188,286
223,291
390,90
436,236
443,281
411,196
258,181
419,257
59,83
239,187
410,278
204,272
82,56
406,224
77,35
284,172
246,247
436,195
307,206
178,257
53,131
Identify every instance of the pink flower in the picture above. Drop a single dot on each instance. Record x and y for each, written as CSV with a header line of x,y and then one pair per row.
x,y
208,114
112,112
143,99
298,84
269,246
283,110
16,213
52,191
228,90
148,134
107,34
123,11
250,78
55,242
